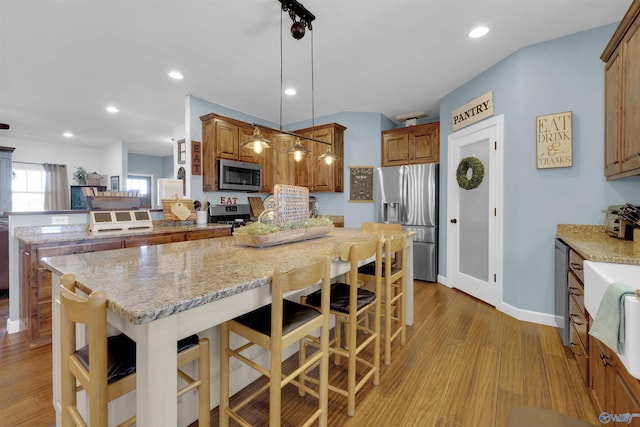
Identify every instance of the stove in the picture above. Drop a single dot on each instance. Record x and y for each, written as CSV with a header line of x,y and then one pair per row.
x,y
236,215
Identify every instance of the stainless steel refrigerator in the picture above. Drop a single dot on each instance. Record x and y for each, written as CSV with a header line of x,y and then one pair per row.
x,y
409,195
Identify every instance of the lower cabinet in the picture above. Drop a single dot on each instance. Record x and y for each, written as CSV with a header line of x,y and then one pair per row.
x,y
35,279
613,389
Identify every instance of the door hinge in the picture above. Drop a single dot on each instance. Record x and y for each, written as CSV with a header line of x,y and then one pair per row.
x,y
495,145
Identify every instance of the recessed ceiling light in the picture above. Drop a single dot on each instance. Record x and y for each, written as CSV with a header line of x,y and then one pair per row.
x,y
290,91
478,32
68,134
176,75
112,109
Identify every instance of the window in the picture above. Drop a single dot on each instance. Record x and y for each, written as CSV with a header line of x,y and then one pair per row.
x,y
27,188
141,183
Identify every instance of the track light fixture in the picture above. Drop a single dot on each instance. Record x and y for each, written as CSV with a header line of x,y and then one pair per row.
x,y
305,18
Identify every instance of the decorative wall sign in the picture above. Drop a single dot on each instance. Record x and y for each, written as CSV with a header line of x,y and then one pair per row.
x,y
361,184
196,158
473,111
553,140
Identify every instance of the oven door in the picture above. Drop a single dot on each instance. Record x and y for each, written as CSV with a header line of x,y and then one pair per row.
x,y
239,176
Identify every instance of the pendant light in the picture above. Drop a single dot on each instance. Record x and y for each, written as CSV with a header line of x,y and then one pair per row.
x,y
257,142
298,151
328,157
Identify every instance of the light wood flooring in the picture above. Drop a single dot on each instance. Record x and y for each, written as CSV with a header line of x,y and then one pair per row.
x,y
465,364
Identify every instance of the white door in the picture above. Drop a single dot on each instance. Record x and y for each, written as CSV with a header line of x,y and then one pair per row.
x,y
474,209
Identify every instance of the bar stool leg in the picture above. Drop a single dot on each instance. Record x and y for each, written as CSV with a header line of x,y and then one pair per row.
x,y
224,375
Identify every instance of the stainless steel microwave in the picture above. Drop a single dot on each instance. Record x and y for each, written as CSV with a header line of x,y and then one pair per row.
x,y
239,176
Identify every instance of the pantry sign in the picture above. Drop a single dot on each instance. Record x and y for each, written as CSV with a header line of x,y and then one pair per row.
x,y
473,111
553,140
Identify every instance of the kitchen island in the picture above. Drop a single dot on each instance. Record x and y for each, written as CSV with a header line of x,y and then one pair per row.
x,y
160,294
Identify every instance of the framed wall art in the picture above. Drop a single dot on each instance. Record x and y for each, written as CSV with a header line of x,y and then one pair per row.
x,y
361,184
554,140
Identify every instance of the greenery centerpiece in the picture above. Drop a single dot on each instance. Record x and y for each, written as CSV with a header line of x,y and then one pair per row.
x,y
261,234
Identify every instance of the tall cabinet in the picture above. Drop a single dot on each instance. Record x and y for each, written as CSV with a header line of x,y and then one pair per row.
x,y
622,98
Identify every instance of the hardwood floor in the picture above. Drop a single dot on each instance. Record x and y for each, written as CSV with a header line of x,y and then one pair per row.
x,y
465,364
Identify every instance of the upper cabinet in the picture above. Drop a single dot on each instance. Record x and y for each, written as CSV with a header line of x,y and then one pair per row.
x,y
319,176
222,136
411,145
622,98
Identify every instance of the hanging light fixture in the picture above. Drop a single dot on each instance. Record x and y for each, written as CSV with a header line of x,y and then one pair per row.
x,y
328,157
304,20
298,151
257,142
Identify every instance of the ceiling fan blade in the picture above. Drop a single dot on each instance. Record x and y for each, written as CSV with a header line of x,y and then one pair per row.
x,y
4,126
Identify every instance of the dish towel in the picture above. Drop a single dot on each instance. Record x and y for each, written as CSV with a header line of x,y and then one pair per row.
x,y
608,326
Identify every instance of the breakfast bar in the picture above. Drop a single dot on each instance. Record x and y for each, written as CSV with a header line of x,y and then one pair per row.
x,y
160,294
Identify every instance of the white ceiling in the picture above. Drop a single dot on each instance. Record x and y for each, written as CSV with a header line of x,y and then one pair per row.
x,y
62,62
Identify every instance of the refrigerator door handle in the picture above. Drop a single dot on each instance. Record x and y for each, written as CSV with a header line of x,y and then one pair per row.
x,y
404,196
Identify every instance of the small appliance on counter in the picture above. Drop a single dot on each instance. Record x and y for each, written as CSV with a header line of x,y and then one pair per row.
x,y
236,215
620,220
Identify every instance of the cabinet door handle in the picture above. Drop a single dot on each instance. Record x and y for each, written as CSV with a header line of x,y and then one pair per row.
x,y
572,345
576,266
572,316
605,360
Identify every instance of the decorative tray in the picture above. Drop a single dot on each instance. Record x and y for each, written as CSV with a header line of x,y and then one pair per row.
x,y
281,237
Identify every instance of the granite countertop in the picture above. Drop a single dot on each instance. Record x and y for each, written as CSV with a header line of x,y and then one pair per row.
x,y
594,244
150,282
69,233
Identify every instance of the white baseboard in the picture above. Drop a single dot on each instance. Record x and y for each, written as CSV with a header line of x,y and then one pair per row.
x,y
443,280
517,313
13,326
528,315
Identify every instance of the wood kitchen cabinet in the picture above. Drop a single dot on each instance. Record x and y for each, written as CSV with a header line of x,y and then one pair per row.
x,y
612,388
35,279
411,145
316,174
578,325
35,282
284,171
622,97
221,138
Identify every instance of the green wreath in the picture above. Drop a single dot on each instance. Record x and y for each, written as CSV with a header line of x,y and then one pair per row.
x,y
477,173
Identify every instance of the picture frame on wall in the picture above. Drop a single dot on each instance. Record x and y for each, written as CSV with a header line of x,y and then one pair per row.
x,y
361,184
115,183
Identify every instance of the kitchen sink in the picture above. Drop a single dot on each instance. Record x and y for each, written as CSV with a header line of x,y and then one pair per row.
x,y
597,276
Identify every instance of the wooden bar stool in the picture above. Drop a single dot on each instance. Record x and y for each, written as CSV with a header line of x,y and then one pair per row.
x,y
350,304
105,367
394,283
275,327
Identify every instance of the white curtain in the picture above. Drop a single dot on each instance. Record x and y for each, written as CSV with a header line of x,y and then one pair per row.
x,y
56,187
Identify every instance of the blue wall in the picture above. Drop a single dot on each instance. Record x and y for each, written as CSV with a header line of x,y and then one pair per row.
x,y
361,148
159,167
565,74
